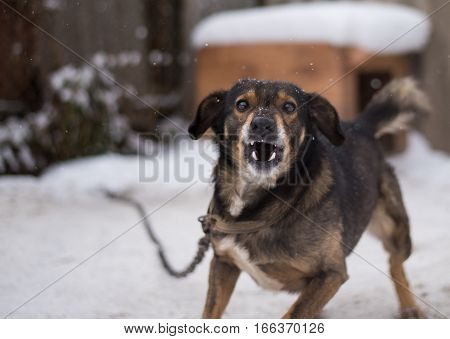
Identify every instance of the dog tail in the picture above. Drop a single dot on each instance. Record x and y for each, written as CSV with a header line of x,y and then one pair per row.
x,y
394,107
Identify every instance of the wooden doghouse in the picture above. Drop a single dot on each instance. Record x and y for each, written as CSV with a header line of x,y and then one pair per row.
x,y
311,45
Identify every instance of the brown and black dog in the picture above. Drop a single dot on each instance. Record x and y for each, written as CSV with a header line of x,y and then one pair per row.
x,y
295,189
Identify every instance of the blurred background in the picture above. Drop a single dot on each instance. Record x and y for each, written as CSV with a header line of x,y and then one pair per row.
x,y
55,106
83,83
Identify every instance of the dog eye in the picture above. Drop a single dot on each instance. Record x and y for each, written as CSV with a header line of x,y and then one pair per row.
x,y
289,107
242,105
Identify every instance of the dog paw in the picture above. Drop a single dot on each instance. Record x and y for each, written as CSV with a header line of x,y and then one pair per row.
x,y
412,313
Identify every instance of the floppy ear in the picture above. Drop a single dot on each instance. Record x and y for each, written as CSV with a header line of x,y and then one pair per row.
x,y
209,114
325,118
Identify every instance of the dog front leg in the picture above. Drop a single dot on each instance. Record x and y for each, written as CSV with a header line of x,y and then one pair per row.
x,y
222,279
316,294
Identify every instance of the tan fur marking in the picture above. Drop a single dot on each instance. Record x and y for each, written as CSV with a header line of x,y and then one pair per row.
x,y
242,137
381,225
321,186
252,99
285,162
281,98
302,134
408,306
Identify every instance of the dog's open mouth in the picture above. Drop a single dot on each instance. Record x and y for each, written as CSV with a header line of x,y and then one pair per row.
x,y
263,155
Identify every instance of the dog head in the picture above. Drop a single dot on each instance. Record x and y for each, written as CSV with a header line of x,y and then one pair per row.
x,y
261,125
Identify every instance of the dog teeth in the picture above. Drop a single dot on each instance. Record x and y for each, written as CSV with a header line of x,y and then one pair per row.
x,y
252,143
254,156
272,156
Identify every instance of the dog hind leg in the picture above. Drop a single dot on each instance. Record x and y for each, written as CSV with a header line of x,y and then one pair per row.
x,y
390,223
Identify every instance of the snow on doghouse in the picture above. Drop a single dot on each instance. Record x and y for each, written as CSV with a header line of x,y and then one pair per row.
x,y
349,50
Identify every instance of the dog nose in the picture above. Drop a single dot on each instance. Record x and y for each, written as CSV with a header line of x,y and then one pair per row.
x,y
262,126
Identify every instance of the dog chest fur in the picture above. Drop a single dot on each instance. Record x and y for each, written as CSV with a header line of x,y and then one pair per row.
x,y
241,193
240,256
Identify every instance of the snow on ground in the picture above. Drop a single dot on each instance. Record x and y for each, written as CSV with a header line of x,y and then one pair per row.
x,y
49,225
367,25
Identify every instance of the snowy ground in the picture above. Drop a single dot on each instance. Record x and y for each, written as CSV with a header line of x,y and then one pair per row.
x,y
50,225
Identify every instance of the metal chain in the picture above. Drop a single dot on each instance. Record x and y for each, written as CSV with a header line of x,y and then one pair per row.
x,y
203,243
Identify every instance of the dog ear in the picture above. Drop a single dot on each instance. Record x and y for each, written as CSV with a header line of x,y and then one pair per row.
x,y
325,118
208,115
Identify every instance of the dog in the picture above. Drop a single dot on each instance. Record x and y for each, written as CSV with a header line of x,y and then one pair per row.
x,y
295,188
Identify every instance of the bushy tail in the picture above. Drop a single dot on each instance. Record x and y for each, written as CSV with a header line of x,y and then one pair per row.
x,y
393,108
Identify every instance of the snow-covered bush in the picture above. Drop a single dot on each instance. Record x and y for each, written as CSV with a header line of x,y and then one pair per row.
x,y
80,118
